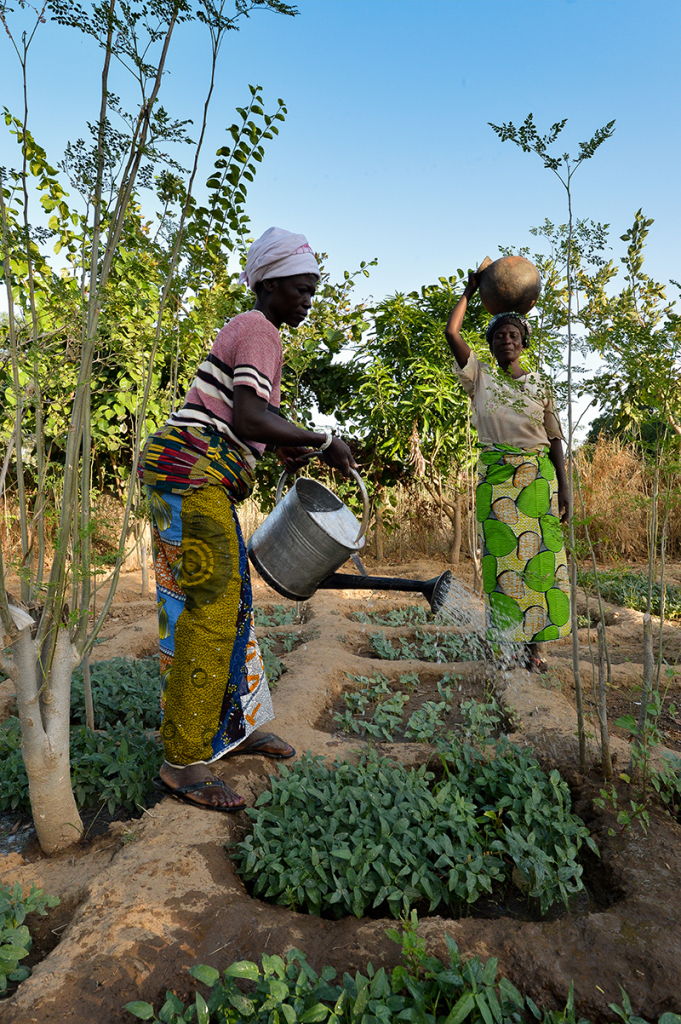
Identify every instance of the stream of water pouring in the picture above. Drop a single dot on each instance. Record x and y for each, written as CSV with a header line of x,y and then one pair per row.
x,y
461,607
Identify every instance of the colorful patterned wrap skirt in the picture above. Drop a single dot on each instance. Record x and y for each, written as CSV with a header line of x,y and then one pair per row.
x,y
214,689
524,565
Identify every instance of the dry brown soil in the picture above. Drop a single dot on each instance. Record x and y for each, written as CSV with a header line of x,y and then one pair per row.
x,y
151,897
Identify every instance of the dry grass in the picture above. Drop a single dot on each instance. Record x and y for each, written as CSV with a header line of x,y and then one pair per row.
x,y
412,525
617,489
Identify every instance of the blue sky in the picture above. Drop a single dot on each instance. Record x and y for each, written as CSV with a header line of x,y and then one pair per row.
x,y
386,151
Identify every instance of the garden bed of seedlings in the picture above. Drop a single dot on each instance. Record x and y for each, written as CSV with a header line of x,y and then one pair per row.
x,y
464,800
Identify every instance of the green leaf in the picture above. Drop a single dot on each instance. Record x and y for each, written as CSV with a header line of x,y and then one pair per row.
x,y
145,1011
208,975
627,722
462,1009
484,1008
319,1012
243,969
202,1014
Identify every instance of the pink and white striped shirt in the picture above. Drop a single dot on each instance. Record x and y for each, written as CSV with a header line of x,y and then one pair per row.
x,y
247,351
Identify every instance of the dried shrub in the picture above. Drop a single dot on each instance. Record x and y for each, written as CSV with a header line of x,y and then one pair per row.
x,y
617,487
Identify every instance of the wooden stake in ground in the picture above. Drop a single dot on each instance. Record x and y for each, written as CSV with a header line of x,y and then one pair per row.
x,y
602,707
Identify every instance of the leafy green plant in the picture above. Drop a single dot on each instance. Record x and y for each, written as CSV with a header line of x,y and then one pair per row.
x,y
344,838
387,717
630,590
420,989
375,710
426,721
666,780
123,690
437,647
274,667
388,710
411,614
15,937
480,718
113,768
280,615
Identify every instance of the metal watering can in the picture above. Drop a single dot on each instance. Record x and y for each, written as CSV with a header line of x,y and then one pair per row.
x,y
307,536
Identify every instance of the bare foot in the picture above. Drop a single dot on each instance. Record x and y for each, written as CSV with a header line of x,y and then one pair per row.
x,y
267,743
212,796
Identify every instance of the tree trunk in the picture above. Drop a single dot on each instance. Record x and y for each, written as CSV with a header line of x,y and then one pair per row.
x,y
601,704
641,740
44,715
455,547
378,532
144,556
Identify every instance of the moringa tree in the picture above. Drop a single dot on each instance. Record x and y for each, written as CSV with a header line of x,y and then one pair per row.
x,y
69,319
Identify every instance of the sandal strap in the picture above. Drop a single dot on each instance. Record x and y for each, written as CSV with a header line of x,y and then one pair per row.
x,y
196,786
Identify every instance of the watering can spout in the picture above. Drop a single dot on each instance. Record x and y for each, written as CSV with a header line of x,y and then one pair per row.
x,y
435,591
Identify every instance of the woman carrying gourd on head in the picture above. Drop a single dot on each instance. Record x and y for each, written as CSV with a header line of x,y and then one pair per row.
x,y
522,492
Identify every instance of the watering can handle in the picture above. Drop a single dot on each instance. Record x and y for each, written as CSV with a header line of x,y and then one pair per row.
x,y
363,492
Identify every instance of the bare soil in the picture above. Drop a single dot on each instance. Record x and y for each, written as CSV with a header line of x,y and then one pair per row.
x,y
143,902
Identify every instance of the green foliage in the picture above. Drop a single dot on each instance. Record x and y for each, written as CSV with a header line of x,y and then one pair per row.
x,y
667,782
426,722
412,614
530,141
313,375
627,813
113,768
409,407
344,838
281,615
421,989
637,336
437,647
274,666
15,937
123,690
630,589
375,710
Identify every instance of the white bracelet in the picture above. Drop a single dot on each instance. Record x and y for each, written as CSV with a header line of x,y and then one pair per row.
x,y
328,438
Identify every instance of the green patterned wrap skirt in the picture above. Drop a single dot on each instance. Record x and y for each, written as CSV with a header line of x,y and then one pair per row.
x,y
524,565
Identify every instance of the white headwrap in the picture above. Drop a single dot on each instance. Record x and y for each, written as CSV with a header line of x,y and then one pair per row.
x,y
278,253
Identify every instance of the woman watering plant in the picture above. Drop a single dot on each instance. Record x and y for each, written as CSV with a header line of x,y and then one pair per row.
x,y
522,493
215,694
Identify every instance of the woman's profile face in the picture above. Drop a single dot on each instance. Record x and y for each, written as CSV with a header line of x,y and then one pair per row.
x,y
290,298
507,343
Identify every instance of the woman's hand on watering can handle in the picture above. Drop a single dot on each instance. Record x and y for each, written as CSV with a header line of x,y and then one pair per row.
x,y
294,458
339,456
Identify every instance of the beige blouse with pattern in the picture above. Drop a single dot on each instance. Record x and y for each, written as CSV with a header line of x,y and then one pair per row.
x,y
519,412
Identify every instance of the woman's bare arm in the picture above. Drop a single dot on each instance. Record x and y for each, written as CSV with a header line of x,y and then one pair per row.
x,y
460,349
253,421
558,460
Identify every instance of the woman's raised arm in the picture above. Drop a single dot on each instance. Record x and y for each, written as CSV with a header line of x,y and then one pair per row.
x,y
460,349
